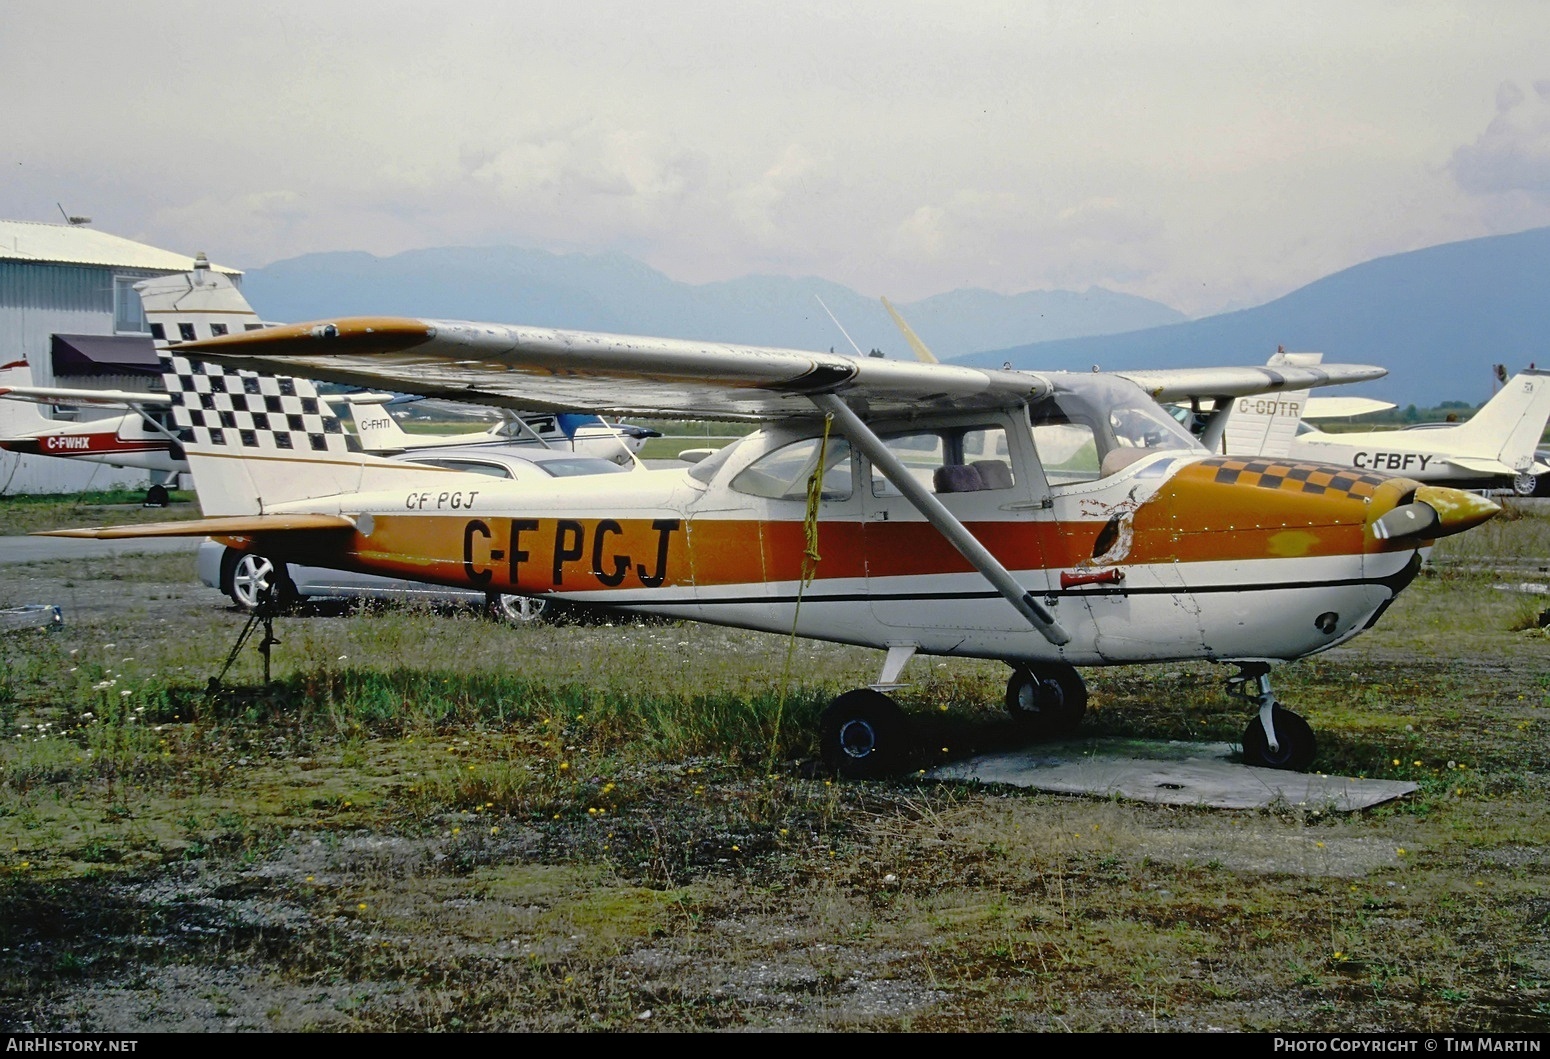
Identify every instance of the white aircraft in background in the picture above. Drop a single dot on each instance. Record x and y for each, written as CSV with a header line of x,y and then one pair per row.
x,y
139,439
589,435
1050,520
1494,447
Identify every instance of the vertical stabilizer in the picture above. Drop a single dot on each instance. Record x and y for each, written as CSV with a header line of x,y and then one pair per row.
x,y
376,428
1508,428
20,418
1264,424
253,441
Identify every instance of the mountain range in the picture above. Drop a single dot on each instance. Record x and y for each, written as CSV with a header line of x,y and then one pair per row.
x,y
1437,318
612,292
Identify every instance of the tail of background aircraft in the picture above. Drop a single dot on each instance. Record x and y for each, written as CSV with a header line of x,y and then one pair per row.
x,y
1264,425
376,428
1502,436
18,418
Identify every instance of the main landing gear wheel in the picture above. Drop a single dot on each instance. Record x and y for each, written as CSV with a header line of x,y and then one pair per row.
x,y
1295,736
1046,700
254,576
1526,484
517,610
864,735
157,496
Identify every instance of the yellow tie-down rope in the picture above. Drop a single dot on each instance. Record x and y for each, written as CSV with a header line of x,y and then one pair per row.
x,y
810,560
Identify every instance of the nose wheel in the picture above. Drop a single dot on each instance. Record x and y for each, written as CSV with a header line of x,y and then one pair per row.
x,y
1277,738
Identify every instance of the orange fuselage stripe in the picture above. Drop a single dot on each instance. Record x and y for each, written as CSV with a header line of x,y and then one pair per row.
x,y
1209,511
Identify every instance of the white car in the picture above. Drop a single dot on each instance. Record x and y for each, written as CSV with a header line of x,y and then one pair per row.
x,y
245,575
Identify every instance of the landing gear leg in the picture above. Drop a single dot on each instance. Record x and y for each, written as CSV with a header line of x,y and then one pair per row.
x,y
1277,738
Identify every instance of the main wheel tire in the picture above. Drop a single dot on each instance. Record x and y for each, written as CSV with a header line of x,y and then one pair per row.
x,y
157,496
1046,700
1525,484
1295,736
864,735
517,610
254,575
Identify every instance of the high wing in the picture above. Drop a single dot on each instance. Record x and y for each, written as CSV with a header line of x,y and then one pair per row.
x,y
107,398
1178,384
531,368
541,368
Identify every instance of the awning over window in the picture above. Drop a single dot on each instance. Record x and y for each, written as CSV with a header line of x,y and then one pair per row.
x,y
105,355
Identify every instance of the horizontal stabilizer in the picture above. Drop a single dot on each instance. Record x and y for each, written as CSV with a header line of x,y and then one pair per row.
x,y
222,526
1341,407
1480,465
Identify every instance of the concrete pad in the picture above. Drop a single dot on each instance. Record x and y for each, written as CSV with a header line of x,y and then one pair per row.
x,y
1172,773
45,549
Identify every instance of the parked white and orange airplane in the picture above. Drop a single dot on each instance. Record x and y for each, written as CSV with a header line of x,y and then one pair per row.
x,y
1050,520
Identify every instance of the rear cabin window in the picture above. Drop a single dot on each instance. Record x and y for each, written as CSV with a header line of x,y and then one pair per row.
x,y
784,473
494,470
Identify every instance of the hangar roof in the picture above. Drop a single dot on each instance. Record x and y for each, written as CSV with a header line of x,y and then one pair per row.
x,y
73,244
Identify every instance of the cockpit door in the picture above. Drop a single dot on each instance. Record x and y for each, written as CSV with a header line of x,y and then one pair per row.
x,y
985,474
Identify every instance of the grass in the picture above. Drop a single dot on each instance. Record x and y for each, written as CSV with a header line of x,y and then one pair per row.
x,y
430,821
31,513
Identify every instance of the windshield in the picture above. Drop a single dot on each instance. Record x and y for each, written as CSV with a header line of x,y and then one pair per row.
x,y
1095,425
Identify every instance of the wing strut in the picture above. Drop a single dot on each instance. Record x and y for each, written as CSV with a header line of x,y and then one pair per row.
x,y
946,523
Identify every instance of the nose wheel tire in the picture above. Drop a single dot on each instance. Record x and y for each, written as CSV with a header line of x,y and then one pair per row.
x,y
864,735
1046,700
1294,736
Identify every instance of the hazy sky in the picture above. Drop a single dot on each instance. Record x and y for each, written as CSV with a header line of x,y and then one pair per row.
x,y
1209,155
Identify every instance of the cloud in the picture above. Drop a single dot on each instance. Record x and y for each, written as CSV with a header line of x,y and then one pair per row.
x,y
1512,155
1007,241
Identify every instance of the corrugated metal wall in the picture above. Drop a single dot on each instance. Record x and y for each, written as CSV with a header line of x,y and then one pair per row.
x,y
39,300
36,302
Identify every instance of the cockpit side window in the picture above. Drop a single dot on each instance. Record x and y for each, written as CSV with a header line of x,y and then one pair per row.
x,y
1100,426
784,473
1068,448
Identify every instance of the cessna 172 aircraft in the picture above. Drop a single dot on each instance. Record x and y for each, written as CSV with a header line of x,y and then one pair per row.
x,y
1053,521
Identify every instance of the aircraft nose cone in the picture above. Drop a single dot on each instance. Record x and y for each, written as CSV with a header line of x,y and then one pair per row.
x,y
1435,511
1457,509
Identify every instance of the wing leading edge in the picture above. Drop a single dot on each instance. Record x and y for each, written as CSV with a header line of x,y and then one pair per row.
x,y
531,368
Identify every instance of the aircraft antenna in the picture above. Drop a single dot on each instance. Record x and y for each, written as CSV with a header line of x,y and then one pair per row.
x,y
841,326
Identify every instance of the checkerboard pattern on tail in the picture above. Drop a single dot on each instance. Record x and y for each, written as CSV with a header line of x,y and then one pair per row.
x,y
220,409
